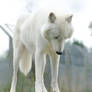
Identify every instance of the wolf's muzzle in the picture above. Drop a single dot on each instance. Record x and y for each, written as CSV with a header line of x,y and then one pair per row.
x,y
59,53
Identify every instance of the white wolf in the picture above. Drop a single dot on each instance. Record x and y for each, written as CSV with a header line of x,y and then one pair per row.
x,y
39,34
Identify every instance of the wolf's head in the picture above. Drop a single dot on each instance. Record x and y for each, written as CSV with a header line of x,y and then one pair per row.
x,y
57,30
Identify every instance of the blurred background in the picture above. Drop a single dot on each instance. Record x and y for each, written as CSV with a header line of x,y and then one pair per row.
x,y
75,70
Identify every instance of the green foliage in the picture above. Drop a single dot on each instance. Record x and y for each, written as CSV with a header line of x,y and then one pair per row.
x,y
63,88
90,25
24,84
76,42
89,90
6,88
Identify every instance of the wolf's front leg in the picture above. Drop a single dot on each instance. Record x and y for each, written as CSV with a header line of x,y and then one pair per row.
x,y
15,70
54,73
39,67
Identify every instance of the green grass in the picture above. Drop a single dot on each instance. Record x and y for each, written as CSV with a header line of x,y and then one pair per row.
x,y
27,84
24,84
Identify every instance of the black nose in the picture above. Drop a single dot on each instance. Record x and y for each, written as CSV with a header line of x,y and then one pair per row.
x,y
59,53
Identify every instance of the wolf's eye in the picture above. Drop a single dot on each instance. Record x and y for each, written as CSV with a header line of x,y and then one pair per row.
x,y
56,37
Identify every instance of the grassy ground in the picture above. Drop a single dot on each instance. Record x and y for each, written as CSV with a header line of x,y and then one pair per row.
x,y
24,84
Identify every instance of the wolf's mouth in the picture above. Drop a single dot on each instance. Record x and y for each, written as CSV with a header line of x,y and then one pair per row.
x,y
59,53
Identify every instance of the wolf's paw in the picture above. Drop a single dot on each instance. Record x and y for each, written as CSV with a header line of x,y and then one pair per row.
x,y
12,90
44,89
40,88
54,89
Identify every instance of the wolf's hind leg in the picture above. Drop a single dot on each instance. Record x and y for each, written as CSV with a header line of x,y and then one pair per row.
x,y
16,58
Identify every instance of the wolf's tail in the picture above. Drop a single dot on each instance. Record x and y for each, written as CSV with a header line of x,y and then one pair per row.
x,y
25,62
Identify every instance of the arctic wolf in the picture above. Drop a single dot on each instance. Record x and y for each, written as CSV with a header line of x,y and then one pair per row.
x,y
41,33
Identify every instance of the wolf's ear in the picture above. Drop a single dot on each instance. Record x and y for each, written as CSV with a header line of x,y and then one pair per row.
x,y
51,17
69,18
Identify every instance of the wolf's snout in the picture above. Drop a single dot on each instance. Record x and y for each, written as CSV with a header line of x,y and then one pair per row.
x,y
59,53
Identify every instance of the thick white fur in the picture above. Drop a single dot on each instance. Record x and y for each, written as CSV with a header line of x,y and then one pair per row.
x,y
36,35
